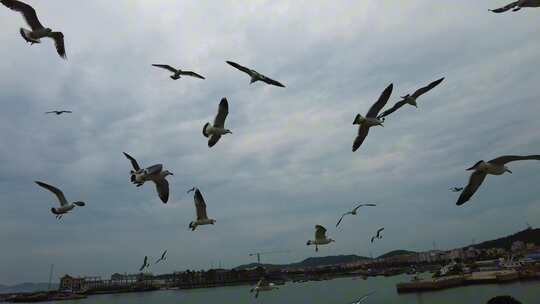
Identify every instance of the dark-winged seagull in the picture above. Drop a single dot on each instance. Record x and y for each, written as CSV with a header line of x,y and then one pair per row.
x,y
517,5
58,112
153,173
262,285
411,99
354,211
456,189
255,76
178,72
38,31
162,258
494,167
200,207
145,264
215,131
378,235
320,238
65,207
371,118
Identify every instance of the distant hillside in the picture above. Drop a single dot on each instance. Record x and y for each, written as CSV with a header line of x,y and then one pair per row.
x,y
27,287
313,262
395,253
528,236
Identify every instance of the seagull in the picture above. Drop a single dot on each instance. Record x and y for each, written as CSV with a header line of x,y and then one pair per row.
x,y
255,76
494,167
371,118
153,173
145,264
456,189
378,235
58,112
200,206
411,99
38,31
162,258
262,285
320,238
177,72
363,298
354,211
215,131
517,5
65,207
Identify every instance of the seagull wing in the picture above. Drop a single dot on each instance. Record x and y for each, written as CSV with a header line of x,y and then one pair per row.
x,y
427,88
383,99
223,111
59,194
200,205
67,111
363,131
503,160
212,141
320,232
144,263
164,254
379,231
155,169
162,187
50,112
475,181
398,105
133,162
341,218
58,38
505,8
272,81
241,68
363,298
26,10
192,74
166,67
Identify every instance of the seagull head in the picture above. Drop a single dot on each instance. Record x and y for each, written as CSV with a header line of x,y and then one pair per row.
x,y
309,242
191,190
167,172
227,131
212,222
332,240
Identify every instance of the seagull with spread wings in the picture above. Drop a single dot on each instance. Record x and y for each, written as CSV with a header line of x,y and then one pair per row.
x,y
378,235
320,238
517,5
456,189
38,31
145,264
178,72
215,131
263,285
255,76
58,112
153,173
354,211
481,169
364,123
411,99
162,258
65,207
200,207
363,298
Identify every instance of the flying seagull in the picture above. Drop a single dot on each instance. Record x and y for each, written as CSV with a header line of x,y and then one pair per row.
x,y
58,112
200,206
153,173
378,235
411,99
65,207
255,76
162,258
456,189
517,5
215,131
354,211
178,72
320,238
145,264
494,167
262,285
38,31
363,298
371,118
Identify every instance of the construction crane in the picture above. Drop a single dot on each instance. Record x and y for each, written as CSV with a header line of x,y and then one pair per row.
x,y
258,254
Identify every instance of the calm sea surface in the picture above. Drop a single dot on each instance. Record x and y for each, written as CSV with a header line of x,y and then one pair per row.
x,y
336,291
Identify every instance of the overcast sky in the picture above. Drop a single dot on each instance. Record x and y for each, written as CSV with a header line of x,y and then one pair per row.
x,y
288,164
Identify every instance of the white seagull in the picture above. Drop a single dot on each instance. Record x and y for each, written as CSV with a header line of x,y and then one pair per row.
x,y
456,189
200,206
178,72
378,235
255,76
38,31
215,131
494,167
517,5
145,264
354,211
65,207
371,118
363,298
411,99
162,258
262,285
320,238
153,173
